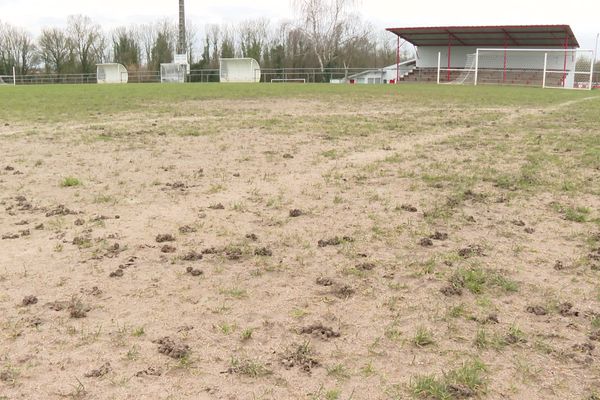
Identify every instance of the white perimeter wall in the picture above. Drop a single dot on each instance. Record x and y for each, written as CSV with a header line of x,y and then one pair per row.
x,y
428,58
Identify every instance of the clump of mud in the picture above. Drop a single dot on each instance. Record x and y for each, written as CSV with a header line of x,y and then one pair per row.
x,y
172,348
192,256
472,250
263,251
29,300
296,213
99,372
300,356
165,237
194,272
334,241
320,331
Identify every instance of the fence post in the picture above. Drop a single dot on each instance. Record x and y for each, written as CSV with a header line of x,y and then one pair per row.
x,y
14,76
439,67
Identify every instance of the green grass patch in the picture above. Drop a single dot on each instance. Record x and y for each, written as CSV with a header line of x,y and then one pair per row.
x,y
467,381
70,182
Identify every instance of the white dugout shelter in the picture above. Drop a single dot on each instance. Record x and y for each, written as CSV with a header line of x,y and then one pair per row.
x,y
537,55
111,73
239,70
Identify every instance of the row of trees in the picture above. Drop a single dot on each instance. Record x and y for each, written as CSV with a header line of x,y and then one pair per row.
x,y
324,34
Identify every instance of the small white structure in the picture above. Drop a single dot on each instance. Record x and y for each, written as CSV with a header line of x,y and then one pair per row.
x,y
239,70
182,59
172,73
111,73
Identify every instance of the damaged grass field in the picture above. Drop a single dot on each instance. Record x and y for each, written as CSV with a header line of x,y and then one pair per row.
x,y
299,242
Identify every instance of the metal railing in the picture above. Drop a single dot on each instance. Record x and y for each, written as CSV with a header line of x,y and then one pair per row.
x,y
309,75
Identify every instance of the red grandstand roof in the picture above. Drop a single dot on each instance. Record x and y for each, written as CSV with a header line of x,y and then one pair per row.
x,y
490,36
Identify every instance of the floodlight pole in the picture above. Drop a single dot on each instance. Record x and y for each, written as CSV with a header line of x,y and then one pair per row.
x,y
181,43
564,79
449,55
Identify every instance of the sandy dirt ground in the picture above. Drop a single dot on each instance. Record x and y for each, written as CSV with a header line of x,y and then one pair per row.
x,y
295,249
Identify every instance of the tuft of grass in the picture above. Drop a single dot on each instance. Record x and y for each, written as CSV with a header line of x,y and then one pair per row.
x,y
457,311
70,182
430,387
477,280
338,371
103,199
423,337
333,394
247,334
235,293
226,328
481,339
596,322
579,214
137,332
465,381
250,368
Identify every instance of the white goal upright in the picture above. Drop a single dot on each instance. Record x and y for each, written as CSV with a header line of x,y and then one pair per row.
x,y
548,68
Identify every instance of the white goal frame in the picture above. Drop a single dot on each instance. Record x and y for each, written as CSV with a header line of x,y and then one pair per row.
x,y
573,74
6,80
285,80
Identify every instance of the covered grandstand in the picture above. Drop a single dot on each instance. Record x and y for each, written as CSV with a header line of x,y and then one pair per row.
x,y
506,54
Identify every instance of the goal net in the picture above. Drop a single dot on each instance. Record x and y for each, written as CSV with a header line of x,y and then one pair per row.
x,y
548,68
460,76
7,80
172,73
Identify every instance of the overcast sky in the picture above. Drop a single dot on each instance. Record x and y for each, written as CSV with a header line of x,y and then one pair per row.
x,y
582,15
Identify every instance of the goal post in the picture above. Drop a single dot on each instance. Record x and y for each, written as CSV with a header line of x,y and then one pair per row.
x,y
288,80
547,68
9,79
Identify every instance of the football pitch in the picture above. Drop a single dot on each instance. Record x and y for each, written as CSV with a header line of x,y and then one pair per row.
x,y
299,241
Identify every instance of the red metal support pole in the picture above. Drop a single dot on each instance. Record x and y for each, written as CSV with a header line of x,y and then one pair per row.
x,y
449,55
398,61
565,66
505,54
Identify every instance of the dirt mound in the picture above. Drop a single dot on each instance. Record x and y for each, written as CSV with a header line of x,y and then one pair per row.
x,y
172,348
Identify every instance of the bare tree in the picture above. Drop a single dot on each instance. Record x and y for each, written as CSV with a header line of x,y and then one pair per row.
x,y
54,49
252,36
147,34
326,25
126,46
88,41
17,49
191,40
